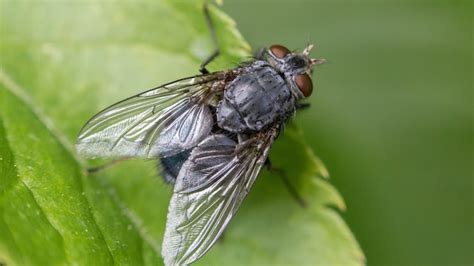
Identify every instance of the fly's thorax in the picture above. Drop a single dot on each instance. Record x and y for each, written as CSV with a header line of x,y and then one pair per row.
x,y
256,99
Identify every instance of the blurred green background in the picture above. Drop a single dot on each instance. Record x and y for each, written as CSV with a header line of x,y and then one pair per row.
x,y
391,116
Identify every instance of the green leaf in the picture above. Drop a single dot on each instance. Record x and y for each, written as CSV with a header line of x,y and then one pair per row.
x,y
51,213
61,62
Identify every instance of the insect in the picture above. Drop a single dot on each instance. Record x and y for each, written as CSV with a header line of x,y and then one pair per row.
x,y
211,133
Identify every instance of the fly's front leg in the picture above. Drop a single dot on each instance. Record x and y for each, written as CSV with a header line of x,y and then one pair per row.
x,y
260,54
212,30
302,106
291,189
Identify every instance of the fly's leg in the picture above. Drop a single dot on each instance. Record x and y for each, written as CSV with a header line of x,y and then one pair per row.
x,y
291,189
107,165
260,54
212,30
220,240
302,106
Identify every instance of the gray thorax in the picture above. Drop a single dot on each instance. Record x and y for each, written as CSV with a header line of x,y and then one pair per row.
x,y
257,98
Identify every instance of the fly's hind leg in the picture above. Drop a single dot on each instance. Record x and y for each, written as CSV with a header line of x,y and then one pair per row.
x,y
212,30
291,189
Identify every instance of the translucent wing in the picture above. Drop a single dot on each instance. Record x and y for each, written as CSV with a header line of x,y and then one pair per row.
x,y
209,189
158,122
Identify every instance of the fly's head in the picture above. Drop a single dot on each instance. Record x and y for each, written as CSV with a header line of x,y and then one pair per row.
x,y
295,67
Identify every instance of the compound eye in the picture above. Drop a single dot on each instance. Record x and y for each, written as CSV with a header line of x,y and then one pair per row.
x,y
279,51
305,84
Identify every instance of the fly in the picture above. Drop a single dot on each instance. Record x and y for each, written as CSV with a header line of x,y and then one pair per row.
x,y
211,133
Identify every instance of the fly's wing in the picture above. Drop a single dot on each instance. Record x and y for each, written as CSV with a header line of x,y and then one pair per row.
x,y
209,189
159,122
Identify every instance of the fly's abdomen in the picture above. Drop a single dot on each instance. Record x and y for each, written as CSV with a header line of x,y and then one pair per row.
x,y
171,165
254,100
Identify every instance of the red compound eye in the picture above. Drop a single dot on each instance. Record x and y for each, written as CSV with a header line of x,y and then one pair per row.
x,y
279,51
305,84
